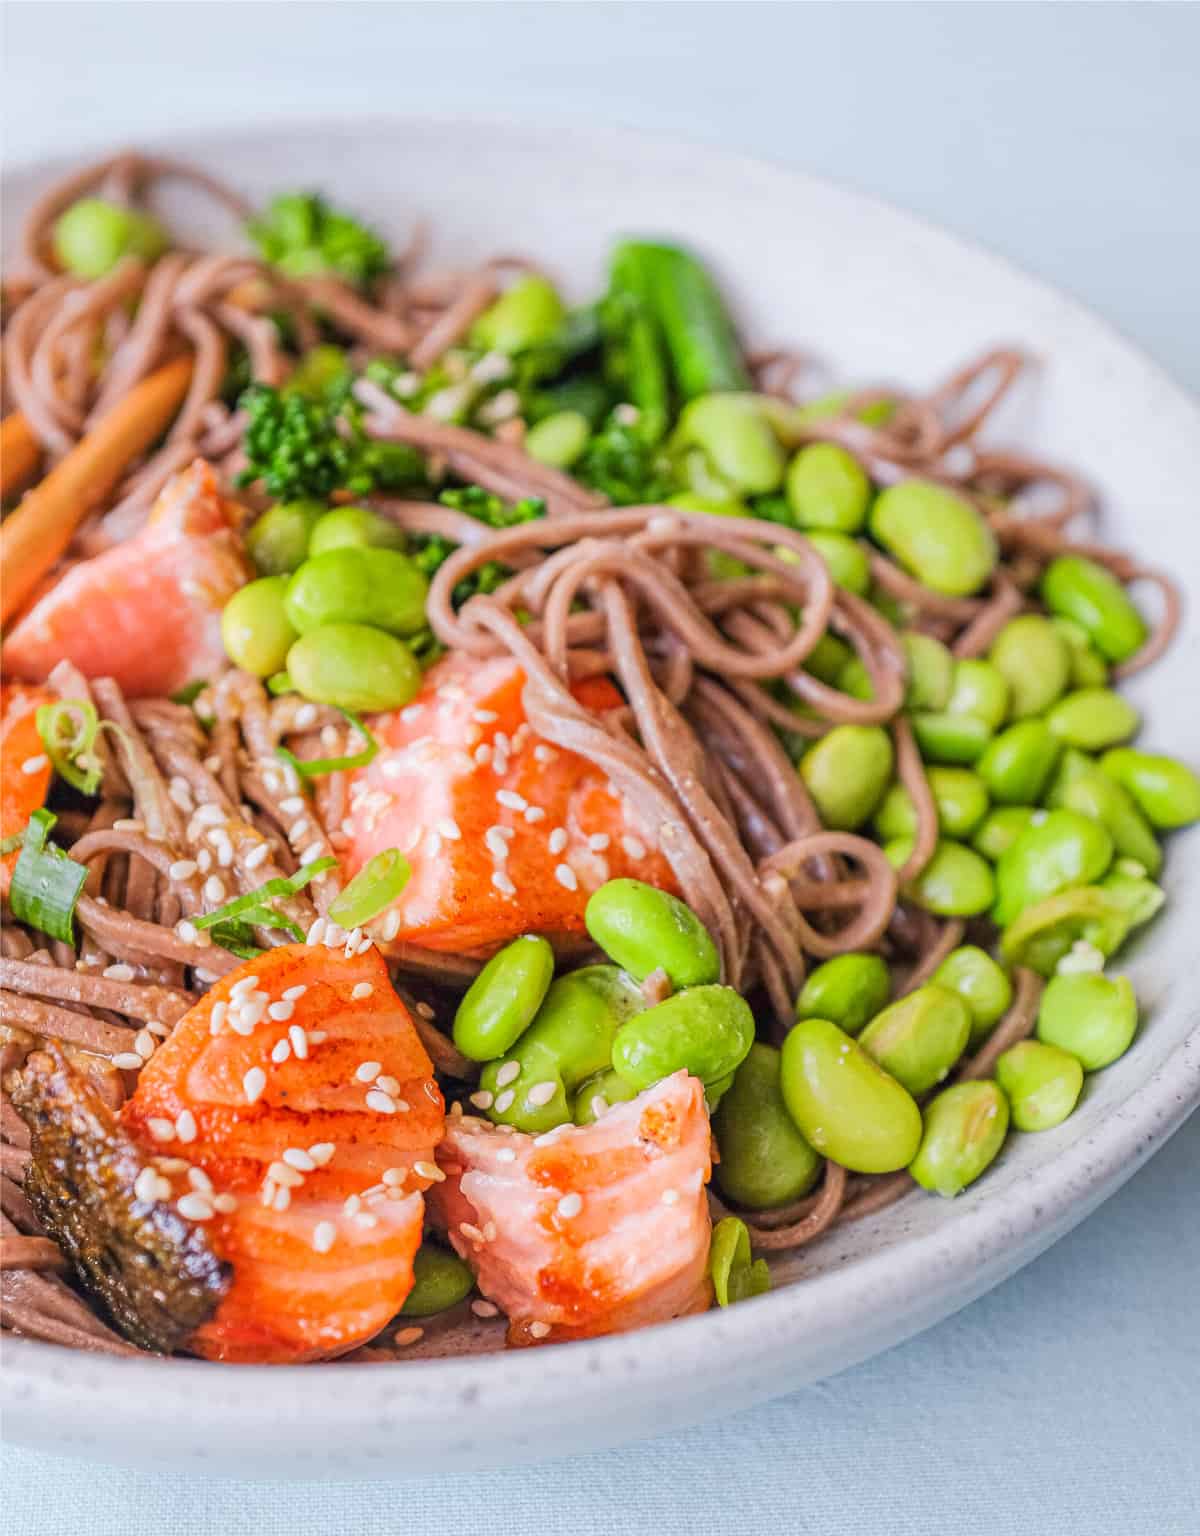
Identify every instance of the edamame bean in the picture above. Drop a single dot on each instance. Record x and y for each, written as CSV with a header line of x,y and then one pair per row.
x,y
828,488
1060,850
1091,1016
846,559
1033,658
982,984
849,990
964,1129
936,536
558,439
1017,764
1088,667
440,1281
1092,793
646,930
960,797
1000,829
855,680
278,541
843,1102
1041,1082
1135,897
1167,792
734,1277
1093,718
597,1095
1043,934
1081,590
736,440
704,1030
919,1037
351,585
524,315
354,667
569,1041
354,528
765,1161
92,236
255,630
502,1001
979,689
956,882
944,737
846,773
827,658
930,672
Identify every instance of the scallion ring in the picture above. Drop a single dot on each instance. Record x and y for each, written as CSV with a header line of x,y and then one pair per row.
x,y
45,882
375,887
314,767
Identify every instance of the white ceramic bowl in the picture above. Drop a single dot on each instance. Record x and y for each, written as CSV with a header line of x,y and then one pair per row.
x,y
875,294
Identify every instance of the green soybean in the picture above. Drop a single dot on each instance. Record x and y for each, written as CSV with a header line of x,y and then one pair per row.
x,y
440,1281
596,1095
979,689
1092,793
855,680
930,672
1057,850
92,236
255,630
1135,897
846,559
960,796
765,1161
918,1038
1166,791
937,536
1081,590
355,528
558,439
1041,1082
964,1129
736,440
1017,764
734,1277
1093,718
354,667
646,930
1088,668
828,488
1000,829
352,585
504,998
1094,1017
704,1030
844,1104
528,313
956,882
1034,660
945,737
827,658
1046,932
278,541
982,984
849,990
846,773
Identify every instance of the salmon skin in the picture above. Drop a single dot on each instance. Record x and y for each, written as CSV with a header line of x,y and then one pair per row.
x,y
146,612
505,833
587,1229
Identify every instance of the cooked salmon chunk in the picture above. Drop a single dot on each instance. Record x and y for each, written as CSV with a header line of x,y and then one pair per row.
x,y
587,1229
24,766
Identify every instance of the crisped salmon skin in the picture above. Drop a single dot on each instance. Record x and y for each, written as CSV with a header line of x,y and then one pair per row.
x,y
299,1092
24,766
505,833
586,1229
147,612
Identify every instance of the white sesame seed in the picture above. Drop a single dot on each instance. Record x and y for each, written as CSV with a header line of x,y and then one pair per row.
x,y
570,1205
361,989
244,987
225,1204
200,1181
33,765
483,754
543,753
429,1171
633,847
391,927
388,1085
316,933
483,1308
185,1126
566,877
297,1157
214,890
538,1330
449,828
599,841
541,1093
209,815
144,1043
281,1010
534,814
393,1177
204,860
511,800
254,1084
282,1198
368,1071
150,1185
282,1173
313,851
503,883
366,1219
161,1129
670,1197
182,869
504,1101
293,994
128,1061
294,805
194,1207
558,840
483,1099
258,855
381,1103
118,972
496,844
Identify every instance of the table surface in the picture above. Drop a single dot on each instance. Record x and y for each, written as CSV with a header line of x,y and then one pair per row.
x,y
1067,137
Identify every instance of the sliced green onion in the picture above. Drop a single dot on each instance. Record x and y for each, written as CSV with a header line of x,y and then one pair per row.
x,y
375,887
315,766
68,730
191,693
11,844
255,901
46,883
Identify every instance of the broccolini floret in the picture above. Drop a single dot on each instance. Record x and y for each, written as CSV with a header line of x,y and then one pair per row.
x,y
302,447
304,237
629,470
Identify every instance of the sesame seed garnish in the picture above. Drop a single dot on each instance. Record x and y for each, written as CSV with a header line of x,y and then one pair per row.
x,y
543,753
293,994
199,1180
282,1198
391,927
368,1071
161,1129
225,1204
482,1099
298,1158
214,890
143,1044
283,1173
504,1101
496,843
35,764
294,805
506,1155
254,1084
316,933
508,1073
511,800
503,883
185,1126
150,1185
299,1042
281,1010
570,1205
362,989
670,1197
321,1152
366,1219
449,828
538,1330
324,1236
599,841
127,1061
118,972
204,859
541,1093
195,1207
281,1051
388,1085
381,1103
483,1308
409,1336
182,869
394,1176
633,847
599,1106
209,816
566,877
429,1171
243,987
483,754
470,1232
558,840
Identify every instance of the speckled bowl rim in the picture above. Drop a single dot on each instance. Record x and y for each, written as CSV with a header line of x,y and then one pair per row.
x,y
51,1395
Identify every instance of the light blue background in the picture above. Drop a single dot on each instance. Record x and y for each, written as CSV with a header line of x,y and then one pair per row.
x,y
1066,136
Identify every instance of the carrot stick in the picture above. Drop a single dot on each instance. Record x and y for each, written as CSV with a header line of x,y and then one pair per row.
x,y
34,536
19,453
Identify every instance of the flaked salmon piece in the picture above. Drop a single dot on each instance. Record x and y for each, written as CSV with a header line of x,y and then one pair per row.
x,y
587,1229
24,767
147,612
505,833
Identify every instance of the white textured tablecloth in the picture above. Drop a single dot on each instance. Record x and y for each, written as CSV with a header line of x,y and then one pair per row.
x,y
1066,1403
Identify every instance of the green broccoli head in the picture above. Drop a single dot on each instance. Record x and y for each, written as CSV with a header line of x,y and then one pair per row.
x,y
304,237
